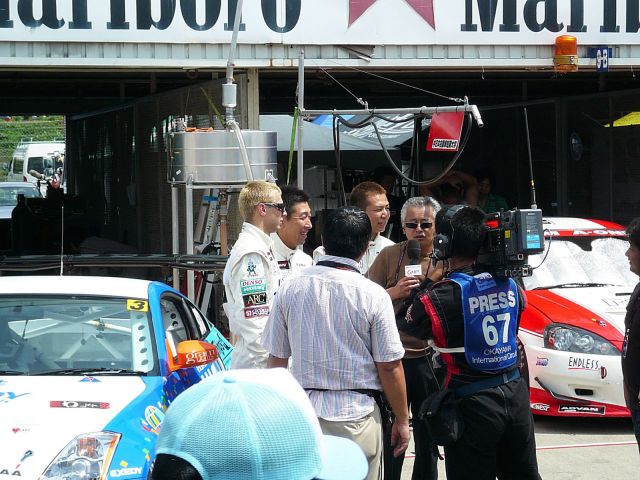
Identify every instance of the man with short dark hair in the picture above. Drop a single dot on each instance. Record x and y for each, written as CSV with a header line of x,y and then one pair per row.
x,y
631,345
372,199
339,330
292,234
472,319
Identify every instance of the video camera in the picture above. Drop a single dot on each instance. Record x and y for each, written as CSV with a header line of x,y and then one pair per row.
x,y
512,236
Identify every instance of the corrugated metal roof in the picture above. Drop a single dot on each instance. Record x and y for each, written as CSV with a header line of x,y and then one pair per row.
x,y
78,55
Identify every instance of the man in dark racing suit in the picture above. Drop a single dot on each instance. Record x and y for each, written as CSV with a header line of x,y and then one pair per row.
x,y
472,319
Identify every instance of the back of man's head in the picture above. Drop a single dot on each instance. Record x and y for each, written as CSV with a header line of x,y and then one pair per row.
x,y
361,192
346,232
291,196
465,229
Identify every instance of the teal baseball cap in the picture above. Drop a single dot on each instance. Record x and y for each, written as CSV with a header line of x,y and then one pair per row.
x,y
255,425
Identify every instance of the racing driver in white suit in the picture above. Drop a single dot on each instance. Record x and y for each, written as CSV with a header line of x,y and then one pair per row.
x,y
251,275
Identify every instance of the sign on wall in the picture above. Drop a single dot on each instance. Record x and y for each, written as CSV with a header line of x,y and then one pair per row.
x,y
323,22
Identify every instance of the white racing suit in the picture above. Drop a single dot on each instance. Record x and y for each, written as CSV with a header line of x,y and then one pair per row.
x,y
289,261
250,279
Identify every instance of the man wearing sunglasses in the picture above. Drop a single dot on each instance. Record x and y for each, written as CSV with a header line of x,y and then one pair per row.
x,y
394,271
292,234
251,275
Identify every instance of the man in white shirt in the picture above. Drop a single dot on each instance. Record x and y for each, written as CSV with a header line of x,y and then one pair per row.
x,y
339,330
292,234
251,275
372,198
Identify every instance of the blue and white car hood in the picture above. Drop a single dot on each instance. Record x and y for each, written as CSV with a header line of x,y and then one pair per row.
x,y
40,415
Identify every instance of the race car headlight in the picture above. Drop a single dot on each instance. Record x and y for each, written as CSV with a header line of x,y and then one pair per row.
x,y
568,338
86,457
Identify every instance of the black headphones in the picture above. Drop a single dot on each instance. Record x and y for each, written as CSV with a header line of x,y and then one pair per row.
x,y
442,242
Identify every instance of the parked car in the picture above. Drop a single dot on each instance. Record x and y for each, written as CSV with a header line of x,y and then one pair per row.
x,y
9,192
88,366
573,326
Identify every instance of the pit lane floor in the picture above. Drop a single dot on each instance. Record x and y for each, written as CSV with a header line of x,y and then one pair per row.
x,y
576,449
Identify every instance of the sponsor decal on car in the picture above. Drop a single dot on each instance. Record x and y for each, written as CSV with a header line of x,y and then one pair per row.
x,y
20,429
582,363
6,397
542,362
542,407
603,372
78,404
590,409
10,472
153,418
123,472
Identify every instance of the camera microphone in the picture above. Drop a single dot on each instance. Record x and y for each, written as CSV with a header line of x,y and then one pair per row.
x,y
413,252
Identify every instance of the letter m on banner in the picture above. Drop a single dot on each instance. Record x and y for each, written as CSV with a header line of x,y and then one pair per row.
x,y
444,134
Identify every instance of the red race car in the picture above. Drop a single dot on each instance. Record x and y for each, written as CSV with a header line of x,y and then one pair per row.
x,y
573,327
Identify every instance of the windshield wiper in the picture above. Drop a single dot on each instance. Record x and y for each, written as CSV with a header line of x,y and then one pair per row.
x,y
574,285
12,372
90,371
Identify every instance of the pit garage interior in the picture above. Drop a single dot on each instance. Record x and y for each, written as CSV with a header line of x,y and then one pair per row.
x,y
117,124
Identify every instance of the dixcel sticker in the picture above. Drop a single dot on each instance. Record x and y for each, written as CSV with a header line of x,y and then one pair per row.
x,y
542,407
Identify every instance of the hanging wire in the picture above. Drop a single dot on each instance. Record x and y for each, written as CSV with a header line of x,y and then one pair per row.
x,y
358,99
453,99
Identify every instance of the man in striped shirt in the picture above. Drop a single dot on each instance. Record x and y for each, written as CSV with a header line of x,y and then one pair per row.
x,y
339,330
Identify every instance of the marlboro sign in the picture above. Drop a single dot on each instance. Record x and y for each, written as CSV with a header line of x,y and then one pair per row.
x,y
444,134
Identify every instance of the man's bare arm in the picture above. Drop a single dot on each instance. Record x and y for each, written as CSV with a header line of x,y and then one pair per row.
x,y
393,384
276,362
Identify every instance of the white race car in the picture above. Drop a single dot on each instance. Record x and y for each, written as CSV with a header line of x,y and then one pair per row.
x,y
88,366
573,326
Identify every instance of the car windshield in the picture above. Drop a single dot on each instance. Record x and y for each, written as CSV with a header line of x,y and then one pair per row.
x,y
9,194
581,261
75,335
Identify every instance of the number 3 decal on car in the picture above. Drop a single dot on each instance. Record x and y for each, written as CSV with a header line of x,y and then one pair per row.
x,y
138,305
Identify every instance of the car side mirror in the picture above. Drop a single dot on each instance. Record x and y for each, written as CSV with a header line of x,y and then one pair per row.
x,y
192,353
5,166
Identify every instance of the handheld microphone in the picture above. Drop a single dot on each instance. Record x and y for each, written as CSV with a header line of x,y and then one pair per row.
x,y
413,252
36,174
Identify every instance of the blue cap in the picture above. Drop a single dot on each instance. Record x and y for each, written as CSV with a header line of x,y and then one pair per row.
x,y
255,425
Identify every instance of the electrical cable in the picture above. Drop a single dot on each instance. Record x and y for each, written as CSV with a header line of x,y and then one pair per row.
x,y
548,248
453,161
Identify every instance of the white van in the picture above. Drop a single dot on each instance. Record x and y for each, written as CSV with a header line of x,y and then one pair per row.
x,y
43,157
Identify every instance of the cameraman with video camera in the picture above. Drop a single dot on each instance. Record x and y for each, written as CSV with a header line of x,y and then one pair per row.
x,y
472,318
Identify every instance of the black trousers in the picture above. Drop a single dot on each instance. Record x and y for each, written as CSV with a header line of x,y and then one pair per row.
x,y
420,383
498,438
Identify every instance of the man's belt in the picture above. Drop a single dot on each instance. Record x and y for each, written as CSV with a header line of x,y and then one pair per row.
x,y
491,382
